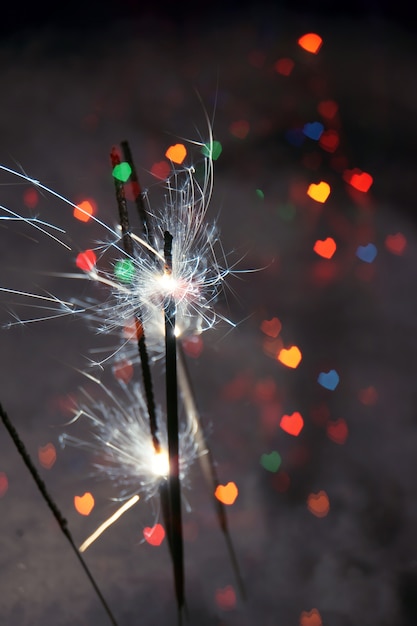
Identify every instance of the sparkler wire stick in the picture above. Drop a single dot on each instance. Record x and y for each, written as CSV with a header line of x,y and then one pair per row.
x,y
140,334
170,489
62,522
188,398
174,487
168,510
206,461
122,206
140,205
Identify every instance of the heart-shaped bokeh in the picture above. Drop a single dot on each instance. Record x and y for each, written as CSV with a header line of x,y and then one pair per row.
x,y
318,504
319,191
154,535
292,424
325,248
328,380
271,461
290,357
227,494
84,504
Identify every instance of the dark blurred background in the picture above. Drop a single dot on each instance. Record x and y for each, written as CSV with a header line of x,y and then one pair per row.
x,y
97,14
76,80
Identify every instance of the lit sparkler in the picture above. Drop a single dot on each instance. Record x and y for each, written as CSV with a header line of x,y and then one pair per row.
x,y
136,280
166,281
121,443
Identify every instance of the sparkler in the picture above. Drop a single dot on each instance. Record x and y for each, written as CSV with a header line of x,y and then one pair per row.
x,y
121,442
174,515
166,280
62,522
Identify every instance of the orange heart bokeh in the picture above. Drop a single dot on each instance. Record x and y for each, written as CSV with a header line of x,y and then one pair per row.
x,y
318,504
227,494
84,504
310,618
290,357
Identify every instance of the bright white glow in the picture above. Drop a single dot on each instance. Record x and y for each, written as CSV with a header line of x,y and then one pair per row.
x,y
160,463
122,444
195,277
167,282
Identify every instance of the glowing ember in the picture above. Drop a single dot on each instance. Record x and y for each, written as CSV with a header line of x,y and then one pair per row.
x,y
160,463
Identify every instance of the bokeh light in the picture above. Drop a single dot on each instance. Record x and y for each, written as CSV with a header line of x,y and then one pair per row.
x,y
84,504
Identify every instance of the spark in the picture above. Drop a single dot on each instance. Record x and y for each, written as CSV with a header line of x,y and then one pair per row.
x,y
105,525
35,222
122,445
141,286
197,276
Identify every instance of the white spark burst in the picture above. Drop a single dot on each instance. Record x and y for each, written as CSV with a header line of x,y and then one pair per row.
x,y
121,443
137,283
138,288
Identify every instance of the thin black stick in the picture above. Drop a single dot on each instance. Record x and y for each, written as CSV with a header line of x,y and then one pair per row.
x,y
164,493
174,487
140,205
147,383
140,334
62,522
207,463
170,503
122,206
